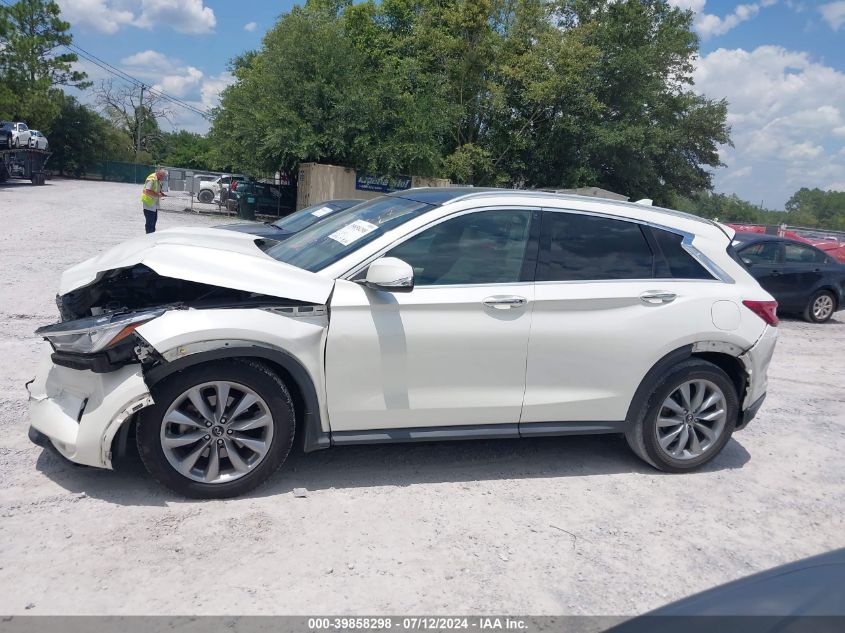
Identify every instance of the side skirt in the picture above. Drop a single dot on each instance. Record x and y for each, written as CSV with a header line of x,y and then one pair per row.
x,y
474,432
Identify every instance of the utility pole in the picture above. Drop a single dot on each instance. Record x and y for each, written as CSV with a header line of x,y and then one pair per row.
x,y
138,111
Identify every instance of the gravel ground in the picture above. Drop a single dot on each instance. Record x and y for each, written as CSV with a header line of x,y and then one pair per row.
x,y
547,526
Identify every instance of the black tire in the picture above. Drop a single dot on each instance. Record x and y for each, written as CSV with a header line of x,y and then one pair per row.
x,y
810,312
205,196
642,433
16,143
251,374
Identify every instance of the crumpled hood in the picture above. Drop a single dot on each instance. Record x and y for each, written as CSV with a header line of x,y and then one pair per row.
x,y
227,259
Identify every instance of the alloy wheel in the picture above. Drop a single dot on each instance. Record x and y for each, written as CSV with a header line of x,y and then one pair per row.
x,y
691,419
216,432
822,307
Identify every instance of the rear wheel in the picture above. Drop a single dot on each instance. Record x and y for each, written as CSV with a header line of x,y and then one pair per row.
x,y
820,307
688,419
217,430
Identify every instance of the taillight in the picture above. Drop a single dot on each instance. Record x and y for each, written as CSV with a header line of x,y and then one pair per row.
x,y
766,310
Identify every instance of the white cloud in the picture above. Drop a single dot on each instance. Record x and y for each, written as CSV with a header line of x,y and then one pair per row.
x,y
104,16
148,60
708,25
185,16
183,84
250,26
212,87
787,114
109,16
834,14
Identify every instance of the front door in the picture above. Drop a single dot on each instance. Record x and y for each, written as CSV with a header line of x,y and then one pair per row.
x,y
451,352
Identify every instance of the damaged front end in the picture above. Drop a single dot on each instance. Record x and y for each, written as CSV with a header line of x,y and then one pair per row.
x,y
97,331
132,314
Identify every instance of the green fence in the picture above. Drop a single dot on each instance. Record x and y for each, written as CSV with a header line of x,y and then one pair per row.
x,y
118,171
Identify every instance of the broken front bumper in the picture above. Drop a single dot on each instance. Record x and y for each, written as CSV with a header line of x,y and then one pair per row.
x,y
80,411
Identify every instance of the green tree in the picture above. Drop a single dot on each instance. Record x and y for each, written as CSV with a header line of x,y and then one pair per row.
x,y
509,92
79,137
815,207
34,61
184,149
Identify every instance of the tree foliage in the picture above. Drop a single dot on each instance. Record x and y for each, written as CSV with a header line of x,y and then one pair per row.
x,y
812,208
34,62
79,137
817,208
530,93
184,149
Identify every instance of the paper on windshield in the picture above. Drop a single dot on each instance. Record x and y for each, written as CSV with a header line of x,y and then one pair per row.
x,y
352,232
319,213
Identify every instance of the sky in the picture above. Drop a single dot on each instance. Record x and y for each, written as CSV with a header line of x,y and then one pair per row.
x,y
779,63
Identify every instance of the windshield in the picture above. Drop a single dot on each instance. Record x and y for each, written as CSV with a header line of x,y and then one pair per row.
x,y
324,243
6,126
302,219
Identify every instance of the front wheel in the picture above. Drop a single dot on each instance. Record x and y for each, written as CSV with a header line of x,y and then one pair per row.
x,y
206,196
820,307
688,420
217,430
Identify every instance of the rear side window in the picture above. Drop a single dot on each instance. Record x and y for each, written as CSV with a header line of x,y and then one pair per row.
x,y
799,254
679,263
575,247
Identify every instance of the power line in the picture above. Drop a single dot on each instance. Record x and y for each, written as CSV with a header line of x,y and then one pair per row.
x,y
124,76
73,48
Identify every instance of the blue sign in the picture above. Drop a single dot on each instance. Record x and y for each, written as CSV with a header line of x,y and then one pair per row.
x,y
384,184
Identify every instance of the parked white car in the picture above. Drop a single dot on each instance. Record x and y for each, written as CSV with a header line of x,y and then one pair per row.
x,y
428,314
20,133
37,140
210,189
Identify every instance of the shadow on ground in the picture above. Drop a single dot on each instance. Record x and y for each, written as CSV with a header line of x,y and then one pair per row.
x,y
393,465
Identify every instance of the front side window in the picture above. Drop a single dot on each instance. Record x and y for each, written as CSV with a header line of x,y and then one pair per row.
x,y
484,247
798,254
325,243
760,253
576,247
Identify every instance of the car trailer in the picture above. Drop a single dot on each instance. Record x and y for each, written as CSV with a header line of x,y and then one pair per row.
x,y
26,164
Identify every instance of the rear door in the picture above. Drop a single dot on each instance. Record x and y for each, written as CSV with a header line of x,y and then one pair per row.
x,y
801,274
764,261
608,304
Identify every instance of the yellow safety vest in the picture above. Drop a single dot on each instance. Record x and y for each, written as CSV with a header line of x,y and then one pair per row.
x,y
152,184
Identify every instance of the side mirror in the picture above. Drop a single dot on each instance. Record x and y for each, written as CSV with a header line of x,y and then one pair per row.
x,y
390,274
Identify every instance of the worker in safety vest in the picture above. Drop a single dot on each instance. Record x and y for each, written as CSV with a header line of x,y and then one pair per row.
x,y
152,194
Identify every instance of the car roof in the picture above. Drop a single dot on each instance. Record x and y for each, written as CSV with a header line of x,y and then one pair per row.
x,y
443,195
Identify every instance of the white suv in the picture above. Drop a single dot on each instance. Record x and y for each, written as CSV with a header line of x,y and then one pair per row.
x,y
428,314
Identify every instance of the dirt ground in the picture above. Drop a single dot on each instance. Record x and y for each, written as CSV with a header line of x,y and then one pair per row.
x,y
547,526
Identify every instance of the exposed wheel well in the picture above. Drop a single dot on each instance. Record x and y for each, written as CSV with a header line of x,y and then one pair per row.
x,y
732,366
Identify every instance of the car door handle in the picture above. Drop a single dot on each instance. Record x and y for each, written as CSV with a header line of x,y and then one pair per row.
x,y
775,273
505,302
657,297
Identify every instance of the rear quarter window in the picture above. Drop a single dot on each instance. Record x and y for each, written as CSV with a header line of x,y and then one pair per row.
x,y
679,264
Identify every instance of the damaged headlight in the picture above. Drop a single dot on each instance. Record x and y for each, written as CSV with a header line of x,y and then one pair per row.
x,y
94,334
